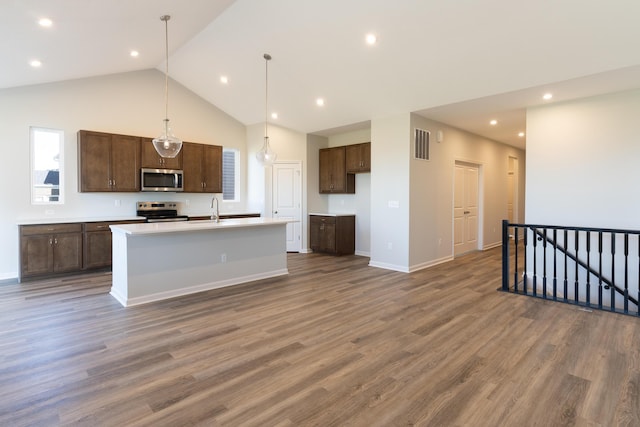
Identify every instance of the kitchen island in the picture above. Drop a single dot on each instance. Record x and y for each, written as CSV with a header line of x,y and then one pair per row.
x,y
155,261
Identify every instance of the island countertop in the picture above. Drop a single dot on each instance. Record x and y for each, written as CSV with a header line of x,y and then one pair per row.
x,y
197,225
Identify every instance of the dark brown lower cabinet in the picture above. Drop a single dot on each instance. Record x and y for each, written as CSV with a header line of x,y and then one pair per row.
x,y
50,248
333,234
97,245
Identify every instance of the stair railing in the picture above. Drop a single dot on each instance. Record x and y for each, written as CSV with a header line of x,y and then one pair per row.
x,y
590,267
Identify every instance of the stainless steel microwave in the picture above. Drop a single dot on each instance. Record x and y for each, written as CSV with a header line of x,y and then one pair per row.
x,y
161,180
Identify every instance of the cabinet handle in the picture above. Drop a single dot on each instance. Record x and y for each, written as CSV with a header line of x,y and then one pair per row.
x,y
55,241
114,182
50,241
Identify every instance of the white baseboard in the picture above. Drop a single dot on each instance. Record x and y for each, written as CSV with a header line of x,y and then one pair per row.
x,y
128,302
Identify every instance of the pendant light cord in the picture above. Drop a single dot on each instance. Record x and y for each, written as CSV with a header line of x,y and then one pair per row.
x,y
267,57
166,18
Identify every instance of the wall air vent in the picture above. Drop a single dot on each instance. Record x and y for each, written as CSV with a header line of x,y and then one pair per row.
x,y
421,144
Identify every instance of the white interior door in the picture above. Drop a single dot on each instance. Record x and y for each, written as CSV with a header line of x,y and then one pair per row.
x,y
465,209
512,190
287,200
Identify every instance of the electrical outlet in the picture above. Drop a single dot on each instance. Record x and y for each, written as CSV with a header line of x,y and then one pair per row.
x,y
117,202
389,245
223,258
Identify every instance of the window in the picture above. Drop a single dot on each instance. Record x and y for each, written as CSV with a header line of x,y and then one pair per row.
x,y
230,174
47,176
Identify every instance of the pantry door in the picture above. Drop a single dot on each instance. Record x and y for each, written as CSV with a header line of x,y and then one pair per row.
x,y
465,208
287,200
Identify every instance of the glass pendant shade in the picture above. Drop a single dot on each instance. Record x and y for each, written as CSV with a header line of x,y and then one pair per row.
x,y
266,155
167,144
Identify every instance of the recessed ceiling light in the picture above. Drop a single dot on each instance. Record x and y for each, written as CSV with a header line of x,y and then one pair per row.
x,y
319,102
224,80
134,53
521,134
45,22
493,122
274,115
371,39
35,63
547,96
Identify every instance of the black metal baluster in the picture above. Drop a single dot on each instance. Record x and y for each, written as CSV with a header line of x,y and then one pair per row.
x,y
525,278
515,272
588,269
575,279
566,281
626,272
555,264
535,262
544,263
612,287
505,255
600,270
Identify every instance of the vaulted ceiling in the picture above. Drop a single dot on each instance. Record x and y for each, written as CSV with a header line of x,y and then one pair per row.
x,y
460,62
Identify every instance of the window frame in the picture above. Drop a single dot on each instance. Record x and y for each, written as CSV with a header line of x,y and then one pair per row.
x,y
236,178
35,197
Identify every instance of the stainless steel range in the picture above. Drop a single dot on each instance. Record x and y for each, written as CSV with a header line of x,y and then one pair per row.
x,y
160,211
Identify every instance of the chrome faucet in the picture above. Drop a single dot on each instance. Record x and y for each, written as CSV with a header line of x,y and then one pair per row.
x,y
215,215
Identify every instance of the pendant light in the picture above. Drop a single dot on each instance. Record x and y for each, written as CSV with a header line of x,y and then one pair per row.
x,y
167,145
266,155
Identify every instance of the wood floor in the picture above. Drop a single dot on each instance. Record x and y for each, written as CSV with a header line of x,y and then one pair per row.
x,y
334,343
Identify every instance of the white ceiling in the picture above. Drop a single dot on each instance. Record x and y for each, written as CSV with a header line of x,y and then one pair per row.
x,y
460,62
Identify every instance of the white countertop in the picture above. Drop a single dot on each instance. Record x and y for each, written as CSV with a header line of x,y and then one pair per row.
x,y
53,220
197,225
333,214
221,213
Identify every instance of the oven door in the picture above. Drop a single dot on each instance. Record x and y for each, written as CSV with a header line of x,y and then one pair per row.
x,y
161,180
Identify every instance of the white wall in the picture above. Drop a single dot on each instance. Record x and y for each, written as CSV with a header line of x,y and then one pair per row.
x,y
289,145
419,232
582,161
390,197
432,184
129,103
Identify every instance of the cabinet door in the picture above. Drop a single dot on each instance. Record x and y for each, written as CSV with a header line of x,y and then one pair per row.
x,y
94,149
36,255
328,237
97,249
212,168
125,163
67,252
325,170
151,158
358,158
338,170
192,165
314,236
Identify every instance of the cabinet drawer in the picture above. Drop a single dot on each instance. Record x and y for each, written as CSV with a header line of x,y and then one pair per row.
x,y
96,226
323,219
31,230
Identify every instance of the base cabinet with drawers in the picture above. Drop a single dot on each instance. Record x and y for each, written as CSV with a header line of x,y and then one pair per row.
x,y
333,234
51,249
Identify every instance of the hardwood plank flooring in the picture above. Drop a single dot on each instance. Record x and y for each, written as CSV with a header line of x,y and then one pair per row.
x,y
334,343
